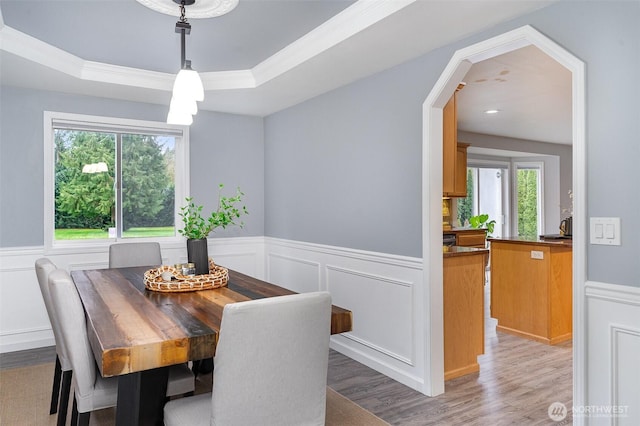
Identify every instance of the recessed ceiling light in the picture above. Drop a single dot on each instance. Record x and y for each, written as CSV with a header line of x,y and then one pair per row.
x,y
492,111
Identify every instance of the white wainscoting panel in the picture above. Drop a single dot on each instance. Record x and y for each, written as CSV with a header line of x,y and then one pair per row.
x,y
379,289
24,323
613,355
384,322
295,274
245,254
625,383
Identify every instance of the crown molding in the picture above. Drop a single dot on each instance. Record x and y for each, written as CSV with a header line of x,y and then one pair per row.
x,y
344,25
32,49
357,17
224,80
126,76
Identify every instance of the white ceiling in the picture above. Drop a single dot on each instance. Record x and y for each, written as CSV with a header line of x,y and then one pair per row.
x,y
531,91
267,55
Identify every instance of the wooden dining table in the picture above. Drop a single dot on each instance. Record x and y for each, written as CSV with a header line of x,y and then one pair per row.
x,y
137,334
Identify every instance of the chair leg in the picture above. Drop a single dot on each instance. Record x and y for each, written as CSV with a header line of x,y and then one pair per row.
x,y
195,367
83,419
203,366
74,412
64,397
55,392
206,366
79,419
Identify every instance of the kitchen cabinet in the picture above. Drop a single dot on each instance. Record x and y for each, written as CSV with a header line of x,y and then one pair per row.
x,y
454,153
460,171
463,309
468,237
449,145
531,294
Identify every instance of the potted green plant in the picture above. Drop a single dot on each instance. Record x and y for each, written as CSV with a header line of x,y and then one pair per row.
x,y
196,227
482,221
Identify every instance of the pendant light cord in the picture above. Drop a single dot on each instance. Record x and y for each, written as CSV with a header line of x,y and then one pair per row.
x,y
184,28
183,17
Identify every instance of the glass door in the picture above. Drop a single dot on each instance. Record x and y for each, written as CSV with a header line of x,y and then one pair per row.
x,y
487,193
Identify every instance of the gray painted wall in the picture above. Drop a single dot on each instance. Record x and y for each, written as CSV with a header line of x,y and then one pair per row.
x,y
229,149
344,168
225,148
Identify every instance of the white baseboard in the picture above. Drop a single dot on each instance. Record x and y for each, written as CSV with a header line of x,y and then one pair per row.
x,y
20,340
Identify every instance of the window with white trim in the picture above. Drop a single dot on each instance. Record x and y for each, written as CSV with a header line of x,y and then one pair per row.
x,y
529,195
109,179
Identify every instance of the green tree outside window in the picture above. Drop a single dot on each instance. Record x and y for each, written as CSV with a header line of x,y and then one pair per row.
x,y
527,202
85,203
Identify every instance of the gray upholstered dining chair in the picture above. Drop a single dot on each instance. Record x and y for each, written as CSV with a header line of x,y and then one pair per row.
x,y
270,366
62,370
92,391
125,255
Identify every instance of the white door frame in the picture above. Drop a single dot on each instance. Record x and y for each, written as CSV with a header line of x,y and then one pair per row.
x,y
455,71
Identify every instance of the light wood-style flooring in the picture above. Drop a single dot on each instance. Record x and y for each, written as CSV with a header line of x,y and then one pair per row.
x,y
518,380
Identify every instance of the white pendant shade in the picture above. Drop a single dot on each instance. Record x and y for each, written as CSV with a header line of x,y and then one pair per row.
x,y
179,117
187,87
183,104
188,84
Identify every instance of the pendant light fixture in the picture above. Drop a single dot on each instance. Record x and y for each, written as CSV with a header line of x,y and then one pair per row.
x,y
187,88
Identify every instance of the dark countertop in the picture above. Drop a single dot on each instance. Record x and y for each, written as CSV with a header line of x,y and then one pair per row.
x,y
564,242
452,251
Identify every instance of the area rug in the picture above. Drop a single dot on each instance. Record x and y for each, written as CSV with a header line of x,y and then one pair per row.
x,y
25,394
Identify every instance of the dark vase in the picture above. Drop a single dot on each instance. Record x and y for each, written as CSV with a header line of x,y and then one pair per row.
x,y
198,253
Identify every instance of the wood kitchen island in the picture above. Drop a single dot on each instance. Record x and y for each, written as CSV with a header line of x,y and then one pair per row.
x,y
531,288
463,306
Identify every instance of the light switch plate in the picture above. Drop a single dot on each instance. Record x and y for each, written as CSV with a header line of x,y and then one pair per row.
x,y
604,230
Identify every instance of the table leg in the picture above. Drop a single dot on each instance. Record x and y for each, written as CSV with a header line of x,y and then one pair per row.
x,y
141,397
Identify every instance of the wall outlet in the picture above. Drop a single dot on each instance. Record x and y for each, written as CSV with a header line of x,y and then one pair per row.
x,y
535,254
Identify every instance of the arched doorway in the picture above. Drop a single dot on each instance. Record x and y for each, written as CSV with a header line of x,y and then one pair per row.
x,y
432,193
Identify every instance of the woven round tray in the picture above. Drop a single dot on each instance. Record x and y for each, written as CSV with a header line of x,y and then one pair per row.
x,y
154,280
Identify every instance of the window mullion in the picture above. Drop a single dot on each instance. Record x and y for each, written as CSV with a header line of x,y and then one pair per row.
x,y
118,186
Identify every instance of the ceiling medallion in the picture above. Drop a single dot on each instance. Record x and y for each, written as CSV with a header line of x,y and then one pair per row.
x,y
197,10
